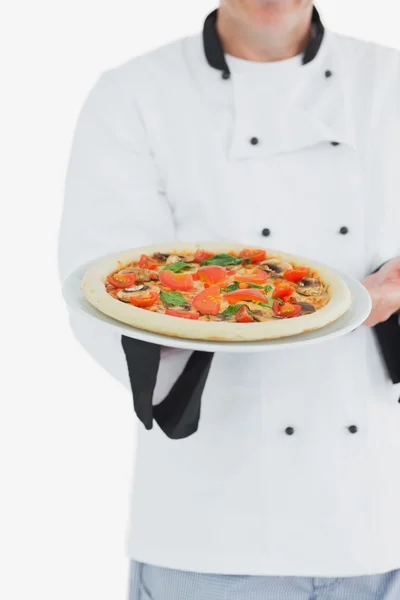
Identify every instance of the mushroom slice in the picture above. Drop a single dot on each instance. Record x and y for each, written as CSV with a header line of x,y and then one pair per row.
x,y
127,293
143,275
186,259
136,288
306,308
173,258
309,287
160,256
127,270
275,266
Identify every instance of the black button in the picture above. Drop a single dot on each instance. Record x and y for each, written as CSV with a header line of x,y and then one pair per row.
x,y
226,75
328,74
254,141
344,230
353,428
289,431
266,232
335,143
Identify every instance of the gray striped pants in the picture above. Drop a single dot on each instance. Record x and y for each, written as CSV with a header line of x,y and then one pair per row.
x,y
155,583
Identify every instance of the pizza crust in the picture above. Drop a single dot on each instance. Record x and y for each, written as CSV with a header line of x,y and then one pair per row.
x,y
93,287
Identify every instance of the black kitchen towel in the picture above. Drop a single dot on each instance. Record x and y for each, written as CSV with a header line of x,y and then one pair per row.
x,y
388,336
178,414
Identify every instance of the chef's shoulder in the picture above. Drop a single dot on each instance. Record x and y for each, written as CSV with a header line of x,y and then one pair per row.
x,y
154,74
369,65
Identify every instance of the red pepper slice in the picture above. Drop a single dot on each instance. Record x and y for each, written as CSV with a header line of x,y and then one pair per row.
x,y
122,281
254,254
146,262
183,314
243,316
251,294
295,275
208,302
144,301
176,281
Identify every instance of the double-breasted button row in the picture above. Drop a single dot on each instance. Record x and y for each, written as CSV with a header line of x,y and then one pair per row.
x,y
254,141
352,429
226,75
266,232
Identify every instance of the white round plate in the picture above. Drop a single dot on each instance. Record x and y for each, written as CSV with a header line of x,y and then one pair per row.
x,y
353,318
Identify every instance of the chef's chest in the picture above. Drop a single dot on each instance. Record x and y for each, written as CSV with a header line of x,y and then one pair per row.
x,y
225,184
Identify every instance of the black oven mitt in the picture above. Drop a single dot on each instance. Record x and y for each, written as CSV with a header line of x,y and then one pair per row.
x,y
178,414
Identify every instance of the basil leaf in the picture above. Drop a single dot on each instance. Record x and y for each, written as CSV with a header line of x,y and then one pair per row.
x,y
268,288
231,288
223,260
175,267
232,310
254,285
174,298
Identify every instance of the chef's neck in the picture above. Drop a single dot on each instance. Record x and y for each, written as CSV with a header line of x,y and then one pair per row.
x,y
261,43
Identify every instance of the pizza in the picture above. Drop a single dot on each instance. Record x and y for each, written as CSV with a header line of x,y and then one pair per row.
x,y
216,291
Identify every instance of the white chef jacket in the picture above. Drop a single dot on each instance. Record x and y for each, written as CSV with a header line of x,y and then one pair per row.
x,y
168,148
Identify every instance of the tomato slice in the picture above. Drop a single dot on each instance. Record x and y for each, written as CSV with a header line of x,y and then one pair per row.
x,y
254,276
282,290
290,310
254,254
208,302
243,316
295,275
202,255
212,274
195,277
146,262
251,294
144,301
122,281
183,314
287,310
176,281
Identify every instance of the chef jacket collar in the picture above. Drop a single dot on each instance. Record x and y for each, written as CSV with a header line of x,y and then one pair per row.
x,y
215,54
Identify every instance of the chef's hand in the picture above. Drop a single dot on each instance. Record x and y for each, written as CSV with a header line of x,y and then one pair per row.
x,y
384,288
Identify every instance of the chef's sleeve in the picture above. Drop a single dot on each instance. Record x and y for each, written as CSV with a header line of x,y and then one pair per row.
x,y
115,199
388,247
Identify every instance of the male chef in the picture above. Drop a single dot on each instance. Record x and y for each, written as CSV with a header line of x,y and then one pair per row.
x,y
270,475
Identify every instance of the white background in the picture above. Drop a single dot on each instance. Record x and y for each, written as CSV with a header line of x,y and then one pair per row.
x,y
67,429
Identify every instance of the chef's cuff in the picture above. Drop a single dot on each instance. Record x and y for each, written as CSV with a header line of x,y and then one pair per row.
x,y
178,415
